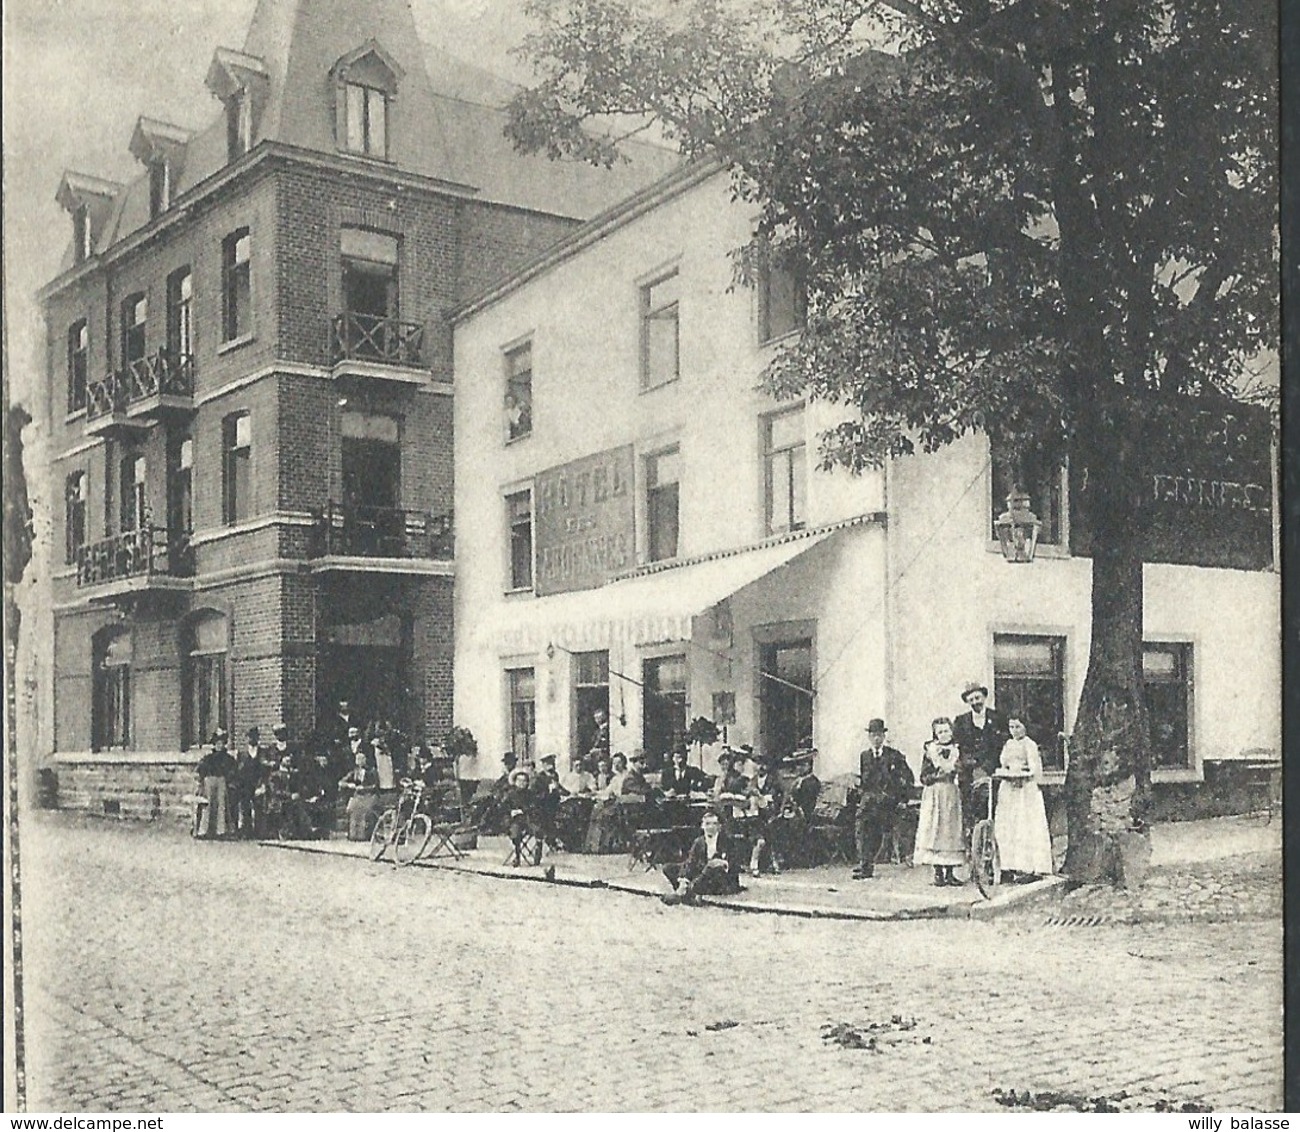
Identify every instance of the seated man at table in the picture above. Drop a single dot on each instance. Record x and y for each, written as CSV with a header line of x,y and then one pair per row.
x,y
679,778
520,817
712,867
574,813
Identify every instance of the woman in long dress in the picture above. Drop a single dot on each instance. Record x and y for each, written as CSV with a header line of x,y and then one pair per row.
x,y
1020,822
939,840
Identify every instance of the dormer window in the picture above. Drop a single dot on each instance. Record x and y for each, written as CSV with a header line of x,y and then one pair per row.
x,y
365,84
81,234
239,125
367,120
160,187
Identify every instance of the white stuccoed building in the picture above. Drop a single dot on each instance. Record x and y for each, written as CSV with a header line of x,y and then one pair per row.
x,y
640,529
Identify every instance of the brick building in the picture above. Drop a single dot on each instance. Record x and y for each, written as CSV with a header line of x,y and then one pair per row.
x,y
250,393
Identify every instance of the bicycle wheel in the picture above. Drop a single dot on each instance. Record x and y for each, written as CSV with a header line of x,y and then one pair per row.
x,y
385,829
412,839
985,864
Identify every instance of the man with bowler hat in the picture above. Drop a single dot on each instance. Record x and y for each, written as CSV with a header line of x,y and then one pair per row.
x,y
884,779
980,734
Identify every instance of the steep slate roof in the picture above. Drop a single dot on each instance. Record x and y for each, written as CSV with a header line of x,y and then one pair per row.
x,y
446,121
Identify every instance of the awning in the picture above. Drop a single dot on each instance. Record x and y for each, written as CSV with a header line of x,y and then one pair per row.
x,y
644,609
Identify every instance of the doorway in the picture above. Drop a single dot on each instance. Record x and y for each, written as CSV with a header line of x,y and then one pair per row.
x,y
590,694
785,697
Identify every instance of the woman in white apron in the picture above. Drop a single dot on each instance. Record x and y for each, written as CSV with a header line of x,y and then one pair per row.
x,y
1020,822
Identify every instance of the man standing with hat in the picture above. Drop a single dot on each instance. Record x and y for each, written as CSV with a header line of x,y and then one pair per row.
x,y
980,734
884,779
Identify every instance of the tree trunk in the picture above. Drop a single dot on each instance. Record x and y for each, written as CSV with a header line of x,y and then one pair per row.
x,y
1108,783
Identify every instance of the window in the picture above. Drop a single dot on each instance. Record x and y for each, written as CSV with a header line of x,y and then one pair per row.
x,y
786,471
660,362
239,125
180,315
78,364
785,692
523,712
236,297
663,708
204,647
1046,498
367,120
135,314
81,234
369,282
237,452
1167,683
180,499
519,391
1029,682
662,474
781,299
519,509
74,515
160,187
110,724
132,497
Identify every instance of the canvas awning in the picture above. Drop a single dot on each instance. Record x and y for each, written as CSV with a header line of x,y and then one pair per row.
x,y
644,609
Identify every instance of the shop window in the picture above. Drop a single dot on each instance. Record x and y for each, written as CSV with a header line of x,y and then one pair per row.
x,y
663,707
111,691
367,120
135,316
786,697
782,301
523,712
786,471
78,364
160,187
660,354
519,391
1029,682
132,493
74,515
82,235
239,125
237,465
519,513
180,314
1167,683
1045,483
205,647
236,286
663,473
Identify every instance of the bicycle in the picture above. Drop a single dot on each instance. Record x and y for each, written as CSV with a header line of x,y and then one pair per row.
x,y
404,829
985,861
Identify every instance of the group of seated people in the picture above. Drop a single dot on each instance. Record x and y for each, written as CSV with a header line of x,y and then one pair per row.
x,y
602,800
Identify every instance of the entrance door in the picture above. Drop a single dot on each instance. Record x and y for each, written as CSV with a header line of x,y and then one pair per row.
x,y
590,694
786,715
664,723
367,663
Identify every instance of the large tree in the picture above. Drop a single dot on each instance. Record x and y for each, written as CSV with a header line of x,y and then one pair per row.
x,y
1032,218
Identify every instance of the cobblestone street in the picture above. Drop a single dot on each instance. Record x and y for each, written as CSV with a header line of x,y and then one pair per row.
x,y
167,975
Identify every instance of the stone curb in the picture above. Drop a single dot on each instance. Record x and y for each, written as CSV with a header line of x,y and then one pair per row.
x,y
1016,896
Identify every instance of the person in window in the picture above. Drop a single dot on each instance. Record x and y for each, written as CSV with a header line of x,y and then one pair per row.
x,y
1020,821
599,733
766,800
361,784
940,838
519,416
680,779
979,734
214,771
712,866
884,782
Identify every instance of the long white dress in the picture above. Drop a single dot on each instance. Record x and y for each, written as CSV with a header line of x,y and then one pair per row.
x,y
939,839
1020,821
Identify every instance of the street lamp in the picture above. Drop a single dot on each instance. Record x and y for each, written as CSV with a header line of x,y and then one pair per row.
x,y
1018,528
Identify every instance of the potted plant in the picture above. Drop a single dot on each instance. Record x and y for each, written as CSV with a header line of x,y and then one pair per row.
x,y
700,733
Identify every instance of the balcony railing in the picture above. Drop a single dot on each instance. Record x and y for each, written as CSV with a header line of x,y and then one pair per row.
x,y
144,553
160,375
356,531
375,338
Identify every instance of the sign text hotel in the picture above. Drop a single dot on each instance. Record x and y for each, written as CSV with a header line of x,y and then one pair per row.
x,y
585,521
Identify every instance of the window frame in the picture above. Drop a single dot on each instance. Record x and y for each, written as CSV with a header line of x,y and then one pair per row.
x,y
514,522
796,464
512,673
1057,548
76,514
180,313
651,692
134,325
763,299
1185,648
160,187
115,733
649,469
649,313
214,664
514,378
239,125
78,365
1055,754
82,234
236,488
236,287
369,95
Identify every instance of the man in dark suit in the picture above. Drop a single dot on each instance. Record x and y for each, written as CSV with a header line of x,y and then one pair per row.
x,y
712,867
244,781
884,779
980,734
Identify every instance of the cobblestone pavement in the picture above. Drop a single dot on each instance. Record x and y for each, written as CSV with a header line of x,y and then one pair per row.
x,y
167,975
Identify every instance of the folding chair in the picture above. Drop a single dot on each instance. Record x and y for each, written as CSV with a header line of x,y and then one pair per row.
x,y
440,842
531,845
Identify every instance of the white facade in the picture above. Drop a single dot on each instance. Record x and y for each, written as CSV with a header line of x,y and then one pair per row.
x,y
893,577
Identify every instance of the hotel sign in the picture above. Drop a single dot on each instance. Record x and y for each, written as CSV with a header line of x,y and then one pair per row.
x,y
585,521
